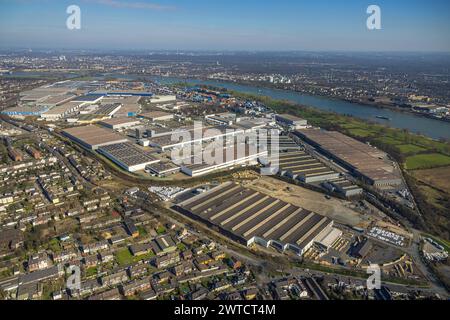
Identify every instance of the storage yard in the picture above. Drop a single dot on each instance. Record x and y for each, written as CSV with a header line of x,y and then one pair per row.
x,y
252,217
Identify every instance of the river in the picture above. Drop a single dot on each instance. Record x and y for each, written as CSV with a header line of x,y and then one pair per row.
x,y
429,127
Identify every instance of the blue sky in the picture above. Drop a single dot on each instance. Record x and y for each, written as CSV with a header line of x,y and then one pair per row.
x,y
320,25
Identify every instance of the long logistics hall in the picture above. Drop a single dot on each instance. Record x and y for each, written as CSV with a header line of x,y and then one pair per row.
x,y
93,137
363,160
249,217
302,166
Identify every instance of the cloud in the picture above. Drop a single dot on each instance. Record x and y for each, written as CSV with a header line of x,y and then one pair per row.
x,y
133,5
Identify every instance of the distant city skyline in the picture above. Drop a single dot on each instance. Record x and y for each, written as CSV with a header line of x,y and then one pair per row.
x,y
251,25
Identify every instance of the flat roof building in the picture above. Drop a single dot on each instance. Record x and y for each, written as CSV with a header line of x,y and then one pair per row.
x,y
157,116
93,137
89,98
162,169
119,123
343,186
61,111
123,93
172,139
53,101
290,120
163,99
129,156
234,155
364,161
25,111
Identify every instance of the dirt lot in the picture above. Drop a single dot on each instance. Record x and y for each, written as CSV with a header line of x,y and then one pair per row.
x,y
335,209
382,254
438,177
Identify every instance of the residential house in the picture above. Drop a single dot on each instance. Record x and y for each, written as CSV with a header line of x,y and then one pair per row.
x,y
38,261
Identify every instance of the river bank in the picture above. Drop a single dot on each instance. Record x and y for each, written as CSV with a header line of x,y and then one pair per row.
x,y
366,102
433,128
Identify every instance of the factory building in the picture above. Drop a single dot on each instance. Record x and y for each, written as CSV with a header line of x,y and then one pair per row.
x,y
61,111
53,101
163,169
251,217
344,187
93,137
128,156
252,124
172,141
163,99
362,160
291,121
108,109
25,111
222,119
89,98
119,93
282,144
302,166
119,123
235,155
157,116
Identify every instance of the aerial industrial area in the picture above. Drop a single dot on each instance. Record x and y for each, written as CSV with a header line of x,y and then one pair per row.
x,y
172,191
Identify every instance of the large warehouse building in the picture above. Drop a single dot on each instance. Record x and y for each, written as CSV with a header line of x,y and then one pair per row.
x,y
128,156
119,123
302,166
157,116
59,112
249,217
177,138
234,155
93,137
364,161
291,121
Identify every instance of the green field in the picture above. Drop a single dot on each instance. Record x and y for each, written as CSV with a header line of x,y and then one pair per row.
x,y
389,140
360,132
142,231
91,271
410,148
423,161
125,258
